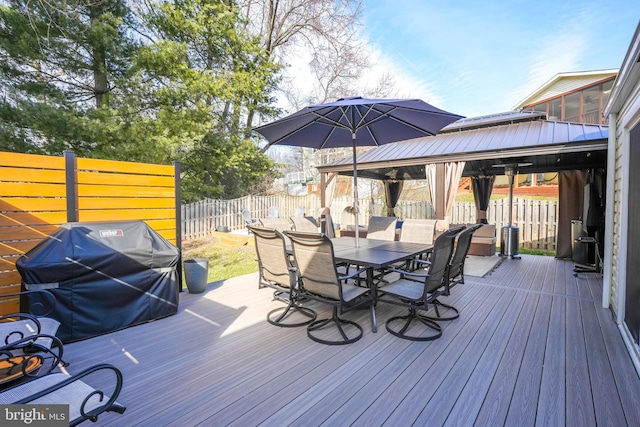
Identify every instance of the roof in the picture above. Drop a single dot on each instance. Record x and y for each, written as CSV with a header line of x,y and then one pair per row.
x,y
628,77
563,83
547,145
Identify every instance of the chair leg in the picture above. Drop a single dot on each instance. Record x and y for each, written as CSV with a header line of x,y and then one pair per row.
x,y
438,317
289,310
408,321
340,325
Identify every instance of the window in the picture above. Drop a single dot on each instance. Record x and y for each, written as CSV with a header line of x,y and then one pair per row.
x,y
572,107
555,109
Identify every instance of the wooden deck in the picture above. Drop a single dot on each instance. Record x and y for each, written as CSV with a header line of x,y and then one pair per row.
x,y
533,346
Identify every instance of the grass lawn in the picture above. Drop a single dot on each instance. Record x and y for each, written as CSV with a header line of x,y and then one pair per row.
x,y
223,263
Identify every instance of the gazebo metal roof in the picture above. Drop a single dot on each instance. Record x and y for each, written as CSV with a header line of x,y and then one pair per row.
x,y
483,142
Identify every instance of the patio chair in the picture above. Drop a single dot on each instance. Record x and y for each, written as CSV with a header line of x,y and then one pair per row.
x,y
85,402
326,222
18,365
277,272
320,281
382,227
280,224
417,231
456,273
299,212
416,290
247,218
15,328
273,212
305,223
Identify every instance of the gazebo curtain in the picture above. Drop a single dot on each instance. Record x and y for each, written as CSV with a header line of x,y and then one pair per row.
x,y
452,175
482,187
392,190
570,207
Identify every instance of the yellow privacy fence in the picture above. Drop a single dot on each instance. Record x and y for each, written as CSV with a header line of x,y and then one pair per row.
x,y
39,193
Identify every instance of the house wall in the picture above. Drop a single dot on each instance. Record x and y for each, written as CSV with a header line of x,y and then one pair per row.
x,y
624,112
627,119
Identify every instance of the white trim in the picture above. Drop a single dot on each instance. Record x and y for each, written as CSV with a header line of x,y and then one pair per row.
x,y
624,221
609,212
632,348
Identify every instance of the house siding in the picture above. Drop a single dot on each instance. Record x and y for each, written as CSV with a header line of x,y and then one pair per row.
x,y
617,215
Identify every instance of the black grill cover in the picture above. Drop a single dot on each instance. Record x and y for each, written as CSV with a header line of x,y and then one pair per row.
x,y
109,275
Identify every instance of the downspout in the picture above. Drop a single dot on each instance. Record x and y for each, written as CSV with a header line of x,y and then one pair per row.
x,y
609,212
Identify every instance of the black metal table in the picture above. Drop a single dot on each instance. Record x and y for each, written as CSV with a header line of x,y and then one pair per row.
x,y
375,254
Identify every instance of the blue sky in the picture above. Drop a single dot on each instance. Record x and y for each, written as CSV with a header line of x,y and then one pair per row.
x,y
483,57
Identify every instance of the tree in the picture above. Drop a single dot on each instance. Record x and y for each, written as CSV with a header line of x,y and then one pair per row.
x,y
60,70
204,63
169,81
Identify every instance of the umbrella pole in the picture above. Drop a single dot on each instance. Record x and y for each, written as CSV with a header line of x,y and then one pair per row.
x,y
355,189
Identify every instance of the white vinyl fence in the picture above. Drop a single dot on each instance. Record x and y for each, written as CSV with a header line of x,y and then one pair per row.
x,y
536,219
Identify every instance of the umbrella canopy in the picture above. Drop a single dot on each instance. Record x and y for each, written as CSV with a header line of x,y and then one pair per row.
x,y
357,122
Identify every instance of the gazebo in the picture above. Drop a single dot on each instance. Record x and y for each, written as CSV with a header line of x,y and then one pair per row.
x,y
482,148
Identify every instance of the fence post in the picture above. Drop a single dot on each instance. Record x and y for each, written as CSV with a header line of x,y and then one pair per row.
x,y
178,202
71,185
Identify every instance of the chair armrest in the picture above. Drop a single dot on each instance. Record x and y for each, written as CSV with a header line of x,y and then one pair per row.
x,y
85,413
409,273
352,275
41,308
421,261
9,326
30,346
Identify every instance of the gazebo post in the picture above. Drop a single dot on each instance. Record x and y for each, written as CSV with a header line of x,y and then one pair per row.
x,y
440,195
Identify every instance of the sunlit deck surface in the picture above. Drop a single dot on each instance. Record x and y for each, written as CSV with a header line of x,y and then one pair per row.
x,y
533,346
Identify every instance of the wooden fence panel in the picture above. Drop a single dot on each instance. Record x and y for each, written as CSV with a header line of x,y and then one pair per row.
x,y
110,190
33,202
535,219
32,205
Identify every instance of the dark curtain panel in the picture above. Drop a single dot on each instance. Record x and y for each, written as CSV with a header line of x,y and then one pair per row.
x,y
392,190
570,205
632,227
482,187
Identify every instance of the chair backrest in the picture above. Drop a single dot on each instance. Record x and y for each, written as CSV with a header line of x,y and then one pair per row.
x,y
440,259
418,230
273,261
305,223
273,212
299,212
326,222
247,216
314,258
462,249
382,228
280,224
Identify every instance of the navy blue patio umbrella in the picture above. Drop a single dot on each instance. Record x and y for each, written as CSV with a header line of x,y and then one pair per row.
x,y
354,122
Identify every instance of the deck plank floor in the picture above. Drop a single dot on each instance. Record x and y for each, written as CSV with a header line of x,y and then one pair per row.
x,y
532,346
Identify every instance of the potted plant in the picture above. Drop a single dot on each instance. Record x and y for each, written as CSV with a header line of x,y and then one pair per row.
x,y
196,274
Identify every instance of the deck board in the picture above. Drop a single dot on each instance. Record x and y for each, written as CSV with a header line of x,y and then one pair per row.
x,y
532,346
552,397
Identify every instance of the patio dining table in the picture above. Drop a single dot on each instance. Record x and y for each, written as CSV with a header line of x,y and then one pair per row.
x,y
375,254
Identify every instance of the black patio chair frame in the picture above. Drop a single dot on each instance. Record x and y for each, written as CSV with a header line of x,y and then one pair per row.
x,y
276,271
415,290
455,274
323,283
